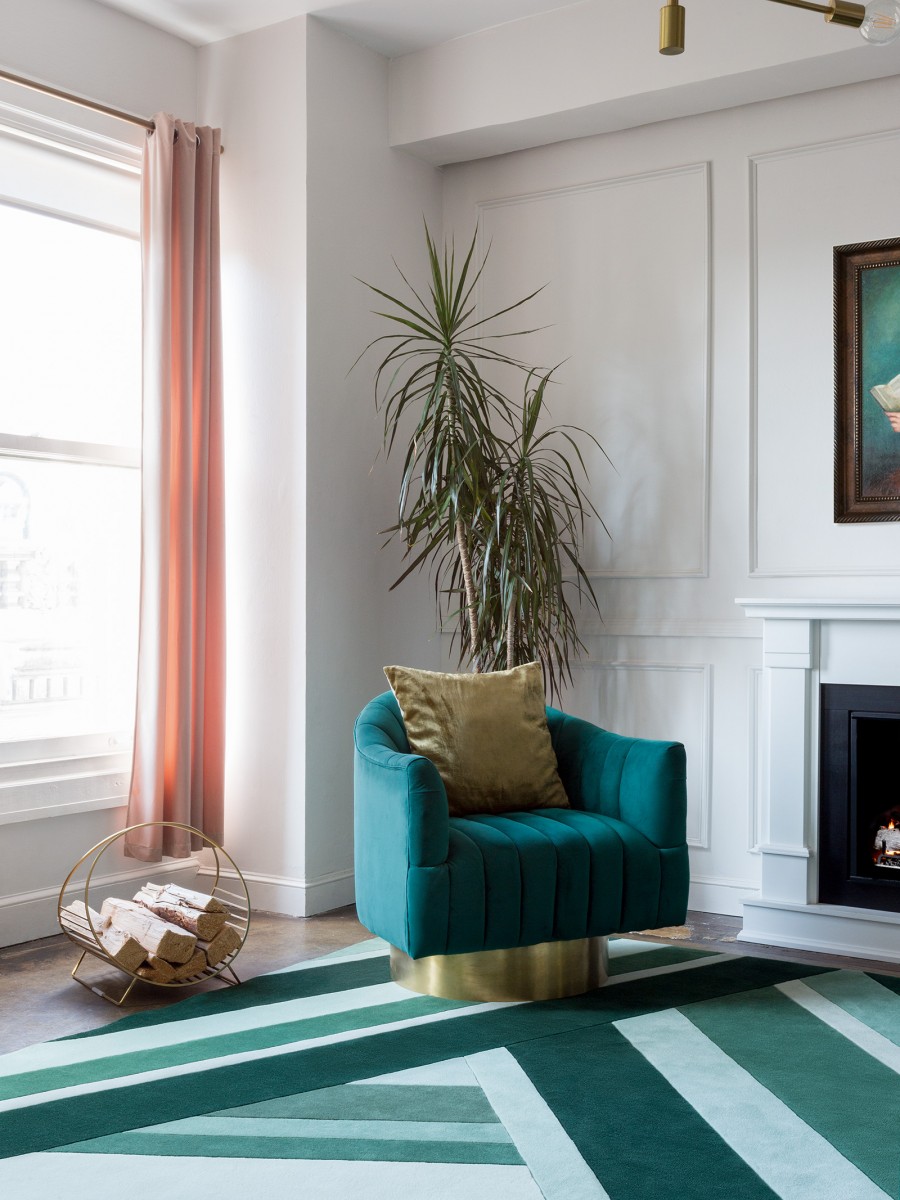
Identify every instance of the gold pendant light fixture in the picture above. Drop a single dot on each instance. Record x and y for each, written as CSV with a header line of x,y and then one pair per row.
x,y
878,21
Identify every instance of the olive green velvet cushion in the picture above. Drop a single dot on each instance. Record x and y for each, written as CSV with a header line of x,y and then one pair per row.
x,y
486,734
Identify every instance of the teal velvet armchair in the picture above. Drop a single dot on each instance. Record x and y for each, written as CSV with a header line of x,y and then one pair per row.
x,y
431,884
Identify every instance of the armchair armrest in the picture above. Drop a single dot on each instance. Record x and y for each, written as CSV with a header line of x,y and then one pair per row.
x,y
401,803
401,821
635,780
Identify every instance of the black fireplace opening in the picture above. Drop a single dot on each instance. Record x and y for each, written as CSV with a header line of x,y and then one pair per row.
x,y
859,796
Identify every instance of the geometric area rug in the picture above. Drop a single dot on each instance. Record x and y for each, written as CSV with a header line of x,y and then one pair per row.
x,y
690,1076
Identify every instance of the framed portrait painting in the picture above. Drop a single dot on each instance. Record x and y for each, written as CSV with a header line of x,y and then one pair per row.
x,y
867,381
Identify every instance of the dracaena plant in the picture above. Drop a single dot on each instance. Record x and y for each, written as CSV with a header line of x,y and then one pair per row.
x,y
490,500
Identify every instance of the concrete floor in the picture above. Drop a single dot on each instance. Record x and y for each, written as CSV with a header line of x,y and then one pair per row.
x,y
39,1001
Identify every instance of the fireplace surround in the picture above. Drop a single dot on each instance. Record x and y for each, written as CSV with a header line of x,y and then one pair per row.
x,y
810,646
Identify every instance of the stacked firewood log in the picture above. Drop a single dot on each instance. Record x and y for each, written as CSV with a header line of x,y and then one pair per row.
x,y
166,934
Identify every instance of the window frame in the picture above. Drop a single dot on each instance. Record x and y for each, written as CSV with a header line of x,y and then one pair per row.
x,y
53,776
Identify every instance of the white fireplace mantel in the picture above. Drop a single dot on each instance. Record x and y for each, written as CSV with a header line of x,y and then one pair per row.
x,y
805,643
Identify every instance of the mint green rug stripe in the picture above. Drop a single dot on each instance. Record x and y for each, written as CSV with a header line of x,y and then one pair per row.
x,y
549,1153
864,998
794,1159
833,1086
642,1140
28,1083
113,1176
848,1026
379,1102
73,1119
151,1145
385,1131
264,989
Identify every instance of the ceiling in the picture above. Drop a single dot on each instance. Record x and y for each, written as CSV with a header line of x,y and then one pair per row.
x,y
392,27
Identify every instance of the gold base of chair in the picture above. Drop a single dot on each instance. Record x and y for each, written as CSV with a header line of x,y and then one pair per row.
x,y
547,971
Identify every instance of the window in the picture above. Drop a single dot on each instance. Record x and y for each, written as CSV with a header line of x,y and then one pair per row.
x,y
70,295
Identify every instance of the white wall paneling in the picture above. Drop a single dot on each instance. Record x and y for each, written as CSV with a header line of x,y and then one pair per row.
x,y
792,531
626,312
669,701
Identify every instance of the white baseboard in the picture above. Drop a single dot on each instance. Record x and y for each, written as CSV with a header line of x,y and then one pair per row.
x,y
714,894
296,897
825,928
28,915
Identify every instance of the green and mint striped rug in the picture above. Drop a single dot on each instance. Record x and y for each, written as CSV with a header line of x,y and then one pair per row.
x,y
691,1076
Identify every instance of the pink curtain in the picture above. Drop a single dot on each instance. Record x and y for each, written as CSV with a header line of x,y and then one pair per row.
x,y
179,728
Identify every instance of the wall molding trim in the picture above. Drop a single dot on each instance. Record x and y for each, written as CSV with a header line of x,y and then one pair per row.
x,y
701,840
719,894
295,897
703,168
28,915
754,162
674,627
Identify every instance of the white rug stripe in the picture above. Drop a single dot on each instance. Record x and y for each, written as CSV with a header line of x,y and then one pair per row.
x,y
452,1072
310,1127
112,1176
619,947
371,948
672,968
229,1060
793,1159
845,1023
549,1153
174,1033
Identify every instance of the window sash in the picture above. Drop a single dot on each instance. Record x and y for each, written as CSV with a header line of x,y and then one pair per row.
x,y
60,775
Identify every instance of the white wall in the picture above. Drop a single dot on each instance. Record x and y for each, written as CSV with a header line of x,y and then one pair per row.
x,y
99,53
593,67
366,204
699,324
89,49
312,197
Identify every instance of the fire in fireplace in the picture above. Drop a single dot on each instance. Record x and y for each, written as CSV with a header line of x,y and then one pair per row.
x,y
887,842
859,830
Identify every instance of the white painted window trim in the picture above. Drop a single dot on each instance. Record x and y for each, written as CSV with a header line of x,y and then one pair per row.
x,y
59,776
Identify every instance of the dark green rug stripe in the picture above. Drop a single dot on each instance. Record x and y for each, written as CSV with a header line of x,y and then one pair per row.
x,y
376,1102
264,989
641,1139
73,1119
659,956
338,1149
892,982
217,1045
838,1089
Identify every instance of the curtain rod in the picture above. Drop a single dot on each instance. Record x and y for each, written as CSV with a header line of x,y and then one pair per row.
x,y
46,90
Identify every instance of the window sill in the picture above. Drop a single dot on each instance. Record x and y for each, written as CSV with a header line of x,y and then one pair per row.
x,y
62,810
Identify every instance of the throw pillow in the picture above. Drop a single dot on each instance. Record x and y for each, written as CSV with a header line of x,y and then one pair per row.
x,y
486,734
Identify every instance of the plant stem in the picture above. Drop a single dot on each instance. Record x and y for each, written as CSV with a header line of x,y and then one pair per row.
x,y
466,564
511,638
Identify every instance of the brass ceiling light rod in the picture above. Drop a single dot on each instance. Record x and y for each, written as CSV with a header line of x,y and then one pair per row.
x,y
878,21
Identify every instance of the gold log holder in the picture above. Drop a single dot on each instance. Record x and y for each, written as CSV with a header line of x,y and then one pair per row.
x,y
81,931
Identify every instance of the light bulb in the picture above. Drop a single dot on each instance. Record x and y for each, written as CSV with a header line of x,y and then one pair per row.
x,y
881,24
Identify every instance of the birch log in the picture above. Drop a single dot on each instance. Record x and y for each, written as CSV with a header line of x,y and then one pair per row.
x,y
124,951
172,893
193,966
157,936
204,924
222,945
157,970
